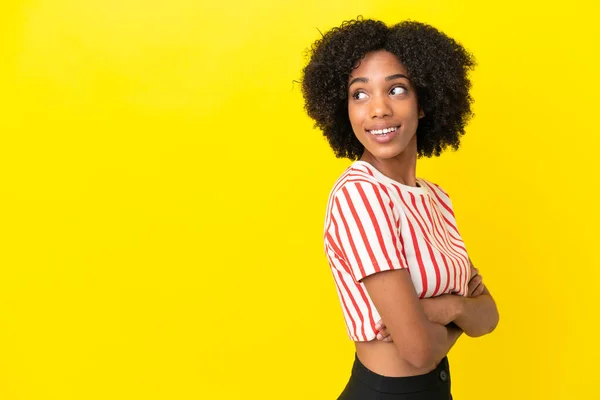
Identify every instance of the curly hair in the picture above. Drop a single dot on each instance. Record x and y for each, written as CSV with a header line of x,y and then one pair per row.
x,y
437,66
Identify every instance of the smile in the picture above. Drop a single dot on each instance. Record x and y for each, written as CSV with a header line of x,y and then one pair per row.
x,y
384,131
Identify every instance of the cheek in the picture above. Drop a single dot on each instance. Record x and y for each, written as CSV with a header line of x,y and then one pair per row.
x,y
411,114
357,112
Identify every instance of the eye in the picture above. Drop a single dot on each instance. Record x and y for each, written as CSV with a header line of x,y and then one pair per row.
x,y
397,90
359,95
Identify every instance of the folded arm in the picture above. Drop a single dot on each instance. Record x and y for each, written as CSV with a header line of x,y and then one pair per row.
x,y
475,315
419,341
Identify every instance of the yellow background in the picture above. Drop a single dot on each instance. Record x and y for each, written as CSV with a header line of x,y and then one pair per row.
x,y
162,195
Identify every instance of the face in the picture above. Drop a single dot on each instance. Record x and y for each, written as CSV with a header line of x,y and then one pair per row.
x,y
382,106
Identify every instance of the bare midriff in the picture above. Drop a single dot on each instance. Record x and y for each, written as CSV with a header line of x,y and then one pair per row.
x,y
383,359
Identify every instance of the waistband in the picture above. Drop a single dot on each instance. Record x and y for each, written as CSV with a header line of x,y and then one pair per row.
x,y
408,384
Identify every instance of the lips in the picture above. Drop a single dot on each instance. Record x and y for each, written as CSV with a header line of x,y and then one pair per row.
x,y
383,134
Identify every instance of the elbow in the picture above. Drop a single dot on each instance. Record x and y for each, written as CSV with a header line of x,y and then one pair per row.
x,y
425,361
494,319
494,323
485,329
475,333
421,356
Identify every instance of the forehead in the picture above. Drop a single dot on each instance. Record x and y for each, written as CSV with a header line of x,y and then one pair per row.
x,y
376,63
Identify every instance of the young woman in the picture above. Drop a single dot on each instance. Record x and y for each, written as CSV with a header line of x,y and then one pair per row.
x,y
383,96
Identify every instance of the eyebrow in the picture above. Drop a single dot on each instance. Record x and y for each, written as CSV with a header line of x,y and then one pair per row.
x,y
387,78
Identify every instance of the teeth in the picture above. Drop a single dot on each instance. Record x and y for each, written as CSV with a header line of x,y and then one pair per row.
x,y
383,131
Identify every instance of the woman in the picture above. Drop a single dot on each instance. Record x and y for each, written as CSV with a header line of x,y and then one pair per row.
x,y
384,96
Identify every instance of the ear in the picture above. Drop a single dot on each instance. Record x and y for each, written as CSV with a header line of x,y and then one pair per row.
x,y
421,113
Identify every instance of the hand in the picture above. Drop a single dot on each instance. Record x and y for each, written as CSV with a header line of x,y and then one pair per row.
x,y
382,333
440,310
476,286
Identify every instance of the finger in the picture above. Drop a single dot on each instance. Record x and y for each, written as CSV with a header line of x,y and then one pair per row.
x,y
388,339
379,325
382,334
474,272
479,290
474,283
476,280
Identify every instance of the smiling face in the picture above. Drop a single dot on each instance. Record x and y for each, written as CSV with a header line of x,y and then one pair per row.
x,y
382,106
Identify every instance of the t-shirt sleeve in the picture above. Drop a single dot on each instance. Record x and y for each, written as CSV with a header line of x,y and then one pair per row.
x,y
366,230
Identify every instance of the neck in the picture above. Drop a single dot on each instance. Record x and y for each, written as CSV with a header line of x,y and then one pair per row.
x,y
402,168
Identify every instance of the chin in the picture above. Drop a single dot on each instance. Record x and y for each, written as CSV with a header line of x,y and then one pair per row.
x,y
386,153
392,149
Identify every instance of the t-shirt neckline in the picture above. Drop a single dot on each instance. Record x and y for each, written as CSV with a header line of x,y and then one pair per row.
x,y
421,189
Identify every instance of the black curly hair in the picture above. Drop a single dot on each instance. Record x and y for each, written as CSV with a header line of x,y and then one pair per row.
x,y
437,66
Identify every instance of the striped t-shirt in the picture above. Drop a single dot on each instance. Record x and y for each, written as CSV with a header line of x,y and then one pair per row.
x,y
374,224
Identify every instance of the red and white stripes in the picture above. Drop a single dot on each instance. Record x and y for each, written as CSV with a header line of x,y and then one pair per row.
x,y
375,224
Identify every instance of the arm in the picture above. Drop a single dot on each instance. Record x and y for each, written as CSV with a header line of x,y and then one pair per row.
x,y
476,315
454,333
437,311
419,341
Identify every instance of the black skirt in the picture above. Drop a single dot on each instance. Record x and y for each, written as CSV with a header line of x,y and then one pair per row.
x,y
365,384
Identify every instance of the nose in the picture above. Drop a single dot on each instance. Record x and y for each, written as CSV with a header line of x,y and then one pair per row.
x,y
380,107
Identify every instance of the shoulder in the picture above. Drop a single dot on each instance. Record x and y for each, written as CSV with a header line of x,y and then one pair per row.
x,y
439,196
357,181
435,189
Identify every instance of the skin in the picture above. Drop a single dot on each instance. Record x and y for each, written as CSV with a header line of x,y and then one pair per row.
x,y
380,95
437,309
